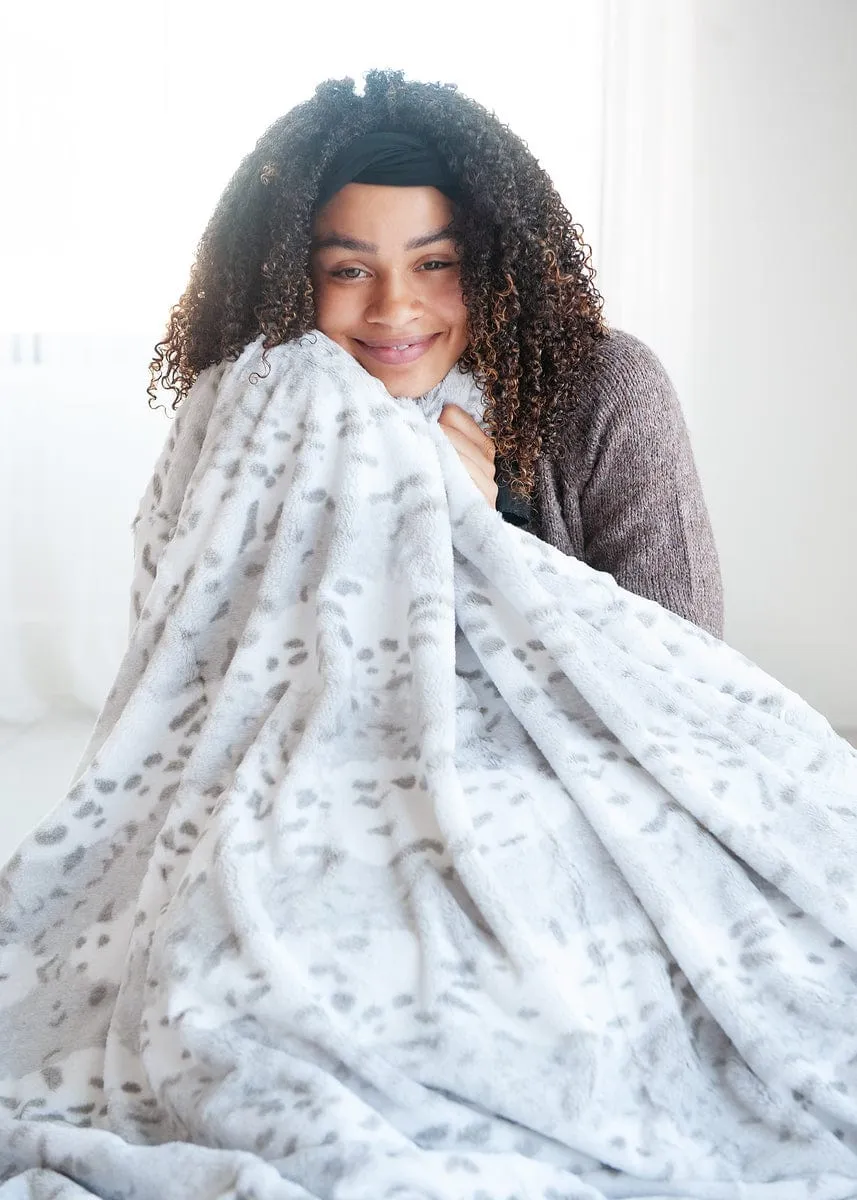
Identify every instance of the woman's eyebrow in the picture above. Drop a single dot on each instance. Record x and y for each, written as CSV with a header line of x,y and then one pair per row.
x,y
344,242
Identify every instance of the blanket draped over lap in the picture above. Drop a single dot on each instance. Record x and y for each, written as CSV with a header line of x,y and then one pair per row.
x,y
411,858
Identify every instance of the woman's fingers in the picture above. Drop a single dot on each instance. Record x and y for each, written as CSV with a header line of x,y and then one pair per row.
x,y
469,452
453,417
478,465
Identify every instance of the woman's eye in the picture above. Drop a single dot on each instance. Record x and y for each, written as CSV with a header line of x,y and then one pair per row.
x,y
432,266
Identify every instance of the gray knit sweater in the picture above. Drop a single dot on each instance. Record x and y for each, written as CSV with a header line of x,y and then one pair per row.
x,y
624,495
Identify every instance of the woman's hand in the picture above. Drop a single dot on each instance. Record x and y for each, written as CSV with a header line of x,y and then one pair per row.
x,y
475,448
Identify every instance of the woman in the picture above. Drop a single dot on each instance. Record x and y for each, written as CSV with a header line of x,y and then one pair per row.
x,y
410,857
411,217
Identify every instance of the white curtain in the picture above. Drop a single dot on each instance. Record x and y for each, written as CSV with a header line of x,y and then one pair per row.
x,y
645,256
123,135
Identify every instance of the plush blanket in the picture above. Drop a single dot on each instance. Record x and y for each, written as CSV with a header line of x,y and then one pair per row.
x,y
411,858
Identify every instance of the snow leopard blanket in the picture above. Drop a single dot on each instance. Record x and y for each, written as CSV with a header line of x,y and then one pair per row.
x,y
410,858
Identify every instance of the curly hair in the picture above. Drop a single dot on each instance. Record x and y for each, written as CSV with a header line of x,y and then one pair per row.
x,y
527,281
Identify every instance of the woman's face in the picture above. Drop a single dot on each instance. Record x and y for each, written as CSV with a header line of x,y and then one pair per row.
x,y
385,274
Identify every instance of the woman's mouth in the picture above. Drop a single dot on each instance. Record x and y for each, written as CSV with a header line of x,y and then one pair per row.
x,y
403,352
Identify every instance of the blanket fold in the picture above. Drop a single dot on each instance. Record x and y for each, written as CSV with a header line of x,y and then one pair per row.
x,y
411,858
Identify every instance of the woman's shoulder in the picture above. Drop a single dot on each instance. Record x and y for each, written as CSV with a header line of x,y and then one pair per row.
x,y
623,384
622,369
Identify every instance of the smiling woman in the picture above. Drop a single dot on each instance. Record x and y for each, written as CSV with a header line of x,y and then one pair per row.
x,y
411,855
421,235
392,299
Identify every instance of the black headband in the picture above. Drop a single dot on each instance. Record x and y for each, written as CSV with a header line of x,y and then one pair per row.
x,y
385,157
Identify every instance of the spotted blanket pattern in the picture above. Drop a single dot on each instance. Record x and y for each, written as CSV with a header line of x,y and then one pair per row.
x,y
410,858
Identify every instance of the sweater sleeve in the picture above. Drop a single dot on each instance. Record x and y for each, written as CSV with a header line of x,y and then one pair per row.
x,y
643,514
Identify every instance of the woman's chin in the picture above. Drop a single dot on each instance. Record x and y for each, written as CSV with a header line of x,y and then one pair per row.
x,y
414,380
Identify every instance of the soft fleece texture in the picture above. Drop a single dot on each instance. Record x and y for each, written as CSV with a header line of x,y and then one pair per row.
x,y
413,858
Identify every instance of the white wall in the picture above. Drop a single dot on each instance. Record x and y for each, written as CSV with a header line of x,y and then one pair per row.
x,y
77,444
775,262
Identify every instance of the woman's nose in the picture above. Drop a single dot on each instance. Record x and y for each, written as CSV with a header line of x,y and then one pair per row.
x,y
394,300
